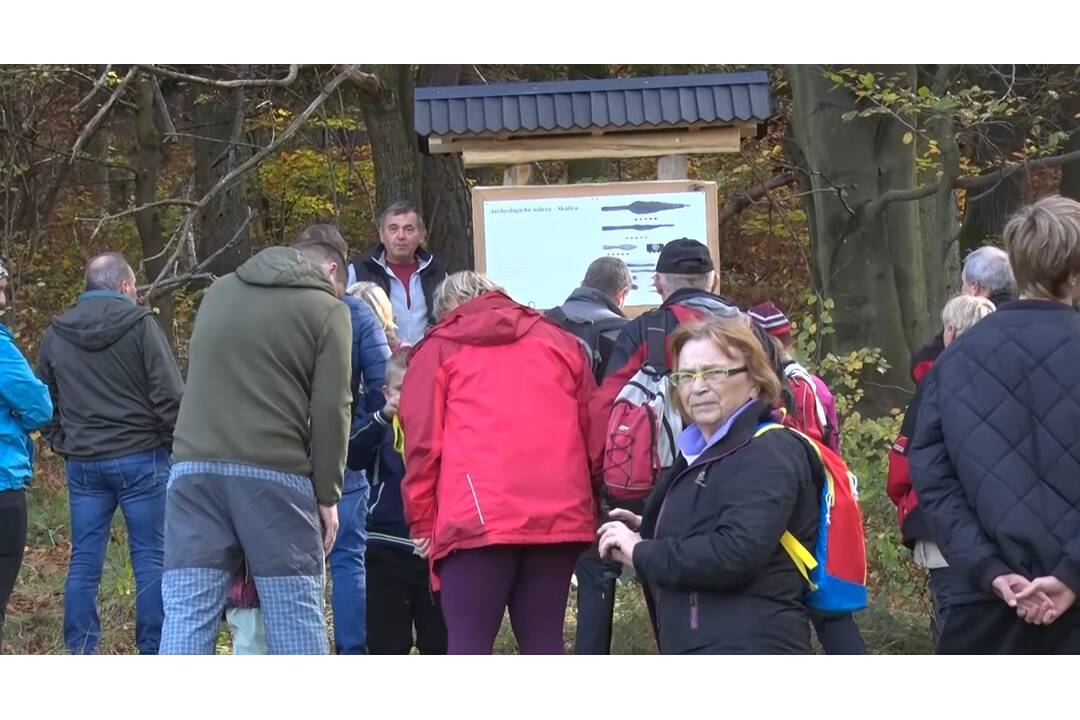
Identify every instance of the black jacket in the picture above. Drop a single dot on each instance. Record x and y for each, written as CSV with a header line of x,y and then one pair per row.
x,y
371,269
592,316
631,347
718,580
114,382
923,358
995,459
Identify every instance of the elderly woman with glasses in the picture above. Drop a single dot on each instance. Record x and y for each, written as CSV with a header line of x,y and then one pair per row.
x,y
708,546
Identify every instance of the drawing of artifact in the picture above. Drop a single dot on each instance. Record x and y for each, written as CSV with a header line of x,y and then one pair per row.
x,y
624,246
645,207
635,227
655,247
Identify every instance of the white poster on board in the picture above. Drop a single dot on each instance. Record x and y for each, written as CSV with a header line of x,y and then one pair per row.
x,y
539,249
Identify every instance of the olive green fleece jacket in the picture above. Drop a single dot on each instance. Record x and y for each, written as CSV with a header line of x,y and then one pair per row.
x,y
268,373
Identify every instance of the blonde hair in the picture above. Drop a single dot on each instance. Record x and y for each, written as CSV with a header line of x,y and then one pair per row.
x,y
963,311
1043,240
396,365
376,299
731,336
460,288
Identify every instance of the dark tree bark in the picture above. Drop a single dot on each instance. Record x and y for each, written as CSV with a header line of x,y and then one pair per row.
x,y
868,260
987,211
447,206
394,151
1070,174
147,162
219,124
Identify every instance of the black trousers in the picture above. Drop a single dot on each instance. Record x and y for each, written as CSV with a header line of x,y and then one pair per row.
x,y
838,634
595,602
12,542
399,599
991,627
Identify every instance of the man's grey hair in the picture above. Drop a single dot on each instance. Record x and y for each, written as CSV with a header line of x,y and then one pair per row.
x,y
670,282
402,208
989,266
609,275
106,271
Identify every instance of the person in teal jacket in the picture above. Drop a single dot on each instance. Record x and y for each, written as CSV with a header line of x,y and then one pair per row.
x,y
24,407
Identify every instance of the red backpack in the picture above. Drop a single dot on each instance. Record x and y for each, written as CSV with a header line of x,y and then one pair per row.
x,y
643,424
836,570
808,413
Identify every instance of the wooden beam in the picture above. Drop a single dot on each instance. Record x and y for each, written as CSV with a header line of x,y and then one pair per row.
x,y
671,167
580,147
518,174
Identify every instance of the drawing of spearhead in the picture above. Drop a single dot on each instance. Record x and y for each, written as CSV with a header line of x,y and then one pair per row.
x,y
645,207
636,227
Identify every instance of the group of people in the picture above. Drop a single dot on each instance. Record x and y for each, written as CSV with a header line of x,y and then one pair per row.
x,y
985,471
446,451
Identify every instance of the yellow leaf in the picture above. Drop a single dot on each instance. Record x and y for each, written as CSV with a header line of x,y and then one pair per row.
x,y
908,137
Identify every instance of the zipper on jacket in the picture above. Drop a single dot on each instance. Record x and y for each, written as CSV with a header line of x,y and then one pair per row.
x,y
693,611
468,479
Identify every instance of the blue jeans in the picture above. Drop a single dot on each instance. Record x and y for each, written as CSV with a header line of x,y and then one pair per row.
x,y
137,484
348,595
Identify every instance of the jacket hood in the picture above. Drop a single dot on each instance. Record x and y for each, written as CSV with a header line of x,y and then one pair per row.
x,y
490,319
99,319
284,267
592,296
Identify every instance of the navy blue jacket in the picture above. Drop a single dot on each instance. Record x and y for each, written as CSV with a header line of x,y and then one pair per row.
x,y
370,351
371,449
995,459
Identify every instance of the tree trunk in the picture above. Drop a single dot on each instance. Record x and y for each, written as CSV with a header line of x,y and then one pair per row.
x,y
148,222
95,175
394,152
938,213
869,262
987,211
1070,174
219,124
447,206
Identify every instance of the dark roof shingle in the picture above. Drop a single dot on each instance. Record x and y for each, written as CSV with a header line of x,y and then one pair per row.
x,y
622,104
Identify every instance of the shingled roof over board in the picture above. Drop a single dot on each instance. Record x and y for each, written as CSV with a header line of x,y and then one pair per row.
x,y
588,105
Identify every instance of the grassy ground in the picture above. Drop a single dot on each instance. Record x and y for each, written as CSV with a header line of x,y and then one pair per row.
x,y
896,622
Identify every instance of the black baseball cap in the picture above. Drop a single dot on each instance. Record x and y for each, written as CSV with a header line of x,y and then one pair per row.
x,y
684,257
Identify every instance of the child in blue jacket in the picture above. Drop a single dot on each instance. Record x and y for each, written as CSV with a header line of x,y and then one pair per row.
x,y
399,596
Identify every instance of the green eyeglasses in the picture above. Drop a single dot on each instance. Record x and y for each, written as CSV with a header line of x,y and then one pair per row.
x,y
709,375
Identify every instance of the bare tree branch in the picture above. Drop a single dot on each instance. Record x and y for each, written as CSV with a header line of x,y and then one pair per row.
x,y
198,273
365,81
739,201
163,108
186,226
94,90
103,111
131,211
972,182
294,71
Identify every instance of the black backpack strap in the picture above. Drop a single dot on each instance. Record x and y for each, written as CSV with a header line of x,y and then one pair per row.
x,y
656,342
557,314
